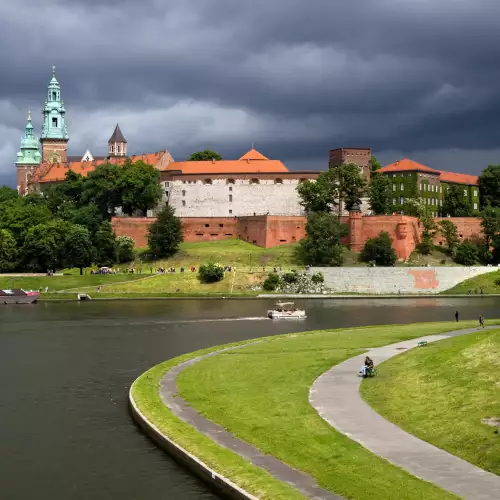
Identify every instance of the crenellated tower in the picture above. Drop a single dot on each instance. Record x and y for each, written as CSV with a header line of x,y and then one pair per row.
x,y
54,138
117,144
28,158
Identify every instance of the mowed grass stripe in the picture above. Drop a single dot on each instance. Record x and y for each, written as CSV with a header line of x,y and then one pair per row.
x,y
260,394
441,393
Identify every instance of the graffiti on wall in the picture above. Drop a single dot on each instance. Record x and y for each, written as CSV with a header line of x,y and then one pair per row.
x,y
425,279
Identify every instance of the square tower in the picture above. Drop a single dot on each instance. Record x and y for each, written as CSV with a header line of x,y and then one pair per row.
x,y
359,156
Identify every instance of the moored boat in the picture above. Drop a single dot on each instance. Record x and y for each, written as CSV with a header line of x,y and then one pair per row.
x,y
286,310
18,296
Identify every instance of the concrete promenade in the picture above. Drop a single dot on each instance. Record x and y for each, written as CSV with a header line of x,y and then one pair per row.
x,y
170,396
335,396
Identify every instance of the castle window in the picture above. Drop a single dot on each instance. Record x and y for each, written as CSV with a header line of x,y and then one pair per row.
x,y
54,96
401,200
394,187
230,188
402,187
207,181
254,181
230,181
183,192
278,181
465,192
475,206
54,122
119,148
230,211
475,192
112,149
394,201
230,197
207,225
183,203
221,225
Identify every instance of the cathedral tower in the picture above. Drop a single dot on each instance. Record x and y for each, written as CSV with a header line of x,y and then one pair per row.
x,y
117,144
54,132
28,158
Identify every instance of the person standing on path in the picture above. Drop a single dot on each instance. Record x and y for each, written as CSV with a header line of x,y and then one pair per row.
x,y
481,321
456,316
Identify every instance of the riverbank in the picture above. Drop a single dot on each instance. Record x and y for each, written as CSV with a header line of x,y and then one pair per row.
x,y
272,412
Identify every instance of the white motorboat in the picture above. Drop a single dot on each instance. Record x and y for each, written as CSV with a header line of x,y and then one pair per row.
x,y
286,310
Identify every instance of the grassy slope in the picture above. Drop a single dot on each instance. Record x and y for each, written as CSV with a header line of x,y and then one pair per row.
x,y
260,393
441,392
484,281
228,252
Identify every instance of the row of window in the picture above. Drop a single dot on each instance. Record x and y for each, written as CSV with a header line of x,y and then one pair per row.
x,y
119,150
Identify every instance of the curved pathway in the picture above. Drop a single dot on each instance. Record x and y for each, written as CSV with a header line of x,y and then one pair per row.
x,y
335,396
170,396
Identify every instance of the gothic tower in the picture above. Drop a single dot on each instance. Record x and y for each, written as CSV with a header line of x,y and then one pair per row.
x,y
117,144
54,132
28,158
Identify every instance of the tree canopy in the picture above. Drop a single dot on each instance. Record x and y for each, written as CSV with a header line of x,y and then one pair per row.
x,y
352,186
165,234
320,195
379,250
489,186
380,194
455,204
206,155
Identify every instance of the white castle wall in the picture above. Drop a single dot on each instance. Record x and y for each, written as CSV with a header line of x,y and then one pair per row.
x,y
214,200
393,280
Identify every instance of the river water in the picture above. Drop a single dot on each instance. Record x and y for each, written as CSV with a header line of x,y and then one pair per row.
x,y
65,371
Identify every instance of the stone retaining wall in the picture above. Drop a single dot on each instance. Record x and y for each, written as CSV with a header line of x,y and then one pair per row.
x,y
404,280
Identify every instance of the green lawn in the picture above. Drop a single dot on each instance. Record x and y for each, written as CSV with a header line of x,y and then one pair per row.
x,y
234,252
485,281
441,393
260,393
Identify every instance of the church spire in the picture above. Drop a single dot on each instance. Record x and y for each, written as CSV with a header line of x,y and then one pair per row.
x,y
54,132
28,157
117,144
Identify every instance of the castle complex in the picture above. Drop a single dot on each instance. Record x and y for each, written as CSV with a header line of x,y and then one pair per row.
x,y
254,198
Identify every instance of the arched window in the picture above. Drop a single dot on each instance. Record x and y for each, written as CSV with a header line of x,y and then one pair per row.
x,y
254,181
278,181
229,181
207,181
54,96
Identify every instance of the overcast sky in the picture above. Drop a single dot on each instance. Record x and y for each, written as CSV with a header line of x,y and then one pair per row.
x,y
408,78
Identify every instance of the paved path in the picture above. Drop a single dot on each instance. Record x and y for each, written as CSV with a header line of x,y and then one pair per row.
x,y
169,394
335,396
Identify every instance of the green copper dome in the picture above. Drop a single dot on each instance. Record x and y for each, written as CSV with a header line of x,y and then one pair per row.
x,y
29,154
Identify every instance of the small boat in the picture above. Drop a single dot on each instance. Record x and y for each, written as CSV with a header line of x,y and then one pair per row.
x,y
84,296
286,310
18,296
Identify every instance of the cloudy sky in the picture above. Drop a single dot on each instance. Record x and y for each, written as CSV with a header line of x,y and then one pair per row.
x,y
408,78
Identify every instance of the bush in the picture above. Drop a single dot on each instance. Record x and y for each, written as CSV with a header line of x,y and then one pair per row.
x,y
290,277
211,273
379,250
466,254
272,282
425,247
318,278
124,249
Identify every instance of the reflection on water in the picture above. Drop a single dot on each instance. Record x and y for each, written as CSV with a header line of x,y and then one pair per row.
x,y
66,369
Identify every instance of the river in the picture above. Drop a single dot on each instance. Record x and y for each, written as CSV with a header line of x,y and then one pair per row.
x,y
66,369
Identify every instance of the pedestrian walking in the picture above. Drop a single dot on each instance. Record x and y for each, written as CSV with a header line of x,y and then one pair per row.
x,y
456,316
481,321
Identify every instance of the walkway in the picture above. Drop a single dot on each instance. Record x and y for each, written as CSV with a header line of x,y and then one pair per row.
x,y
170,396
335,396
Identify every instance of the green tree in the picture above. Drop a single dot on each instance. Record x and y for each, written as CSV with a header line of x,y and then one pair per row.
x,y
165,234
375,165
466,253
88,216
78,249
211,273
352,186
18,217
455,204
105,245
206,155
124,249
321,195
7,194
139,187
322,246
43,247
8,251
102,187
450,234
489,186
379,250
380,194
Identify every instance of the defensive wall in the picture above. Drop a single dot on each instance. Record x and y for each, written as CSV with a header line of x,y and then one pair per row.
x,y
404,280
272,230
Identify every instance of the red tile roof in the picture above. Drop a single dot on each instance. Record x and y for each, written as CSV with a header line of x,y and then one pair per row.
x,y
251,162
454,178
406,165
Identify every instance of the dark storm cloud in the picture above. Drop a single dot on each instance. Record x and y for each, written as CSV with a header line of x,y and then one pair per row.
x,y
297,77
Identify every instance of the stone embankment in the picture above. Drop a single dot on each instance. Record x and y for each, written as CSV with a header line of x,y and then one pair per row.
x,y
396,280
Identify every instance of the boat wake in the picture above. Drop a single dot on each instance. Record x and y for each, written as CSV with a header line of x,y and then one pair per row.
x,y
211,320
